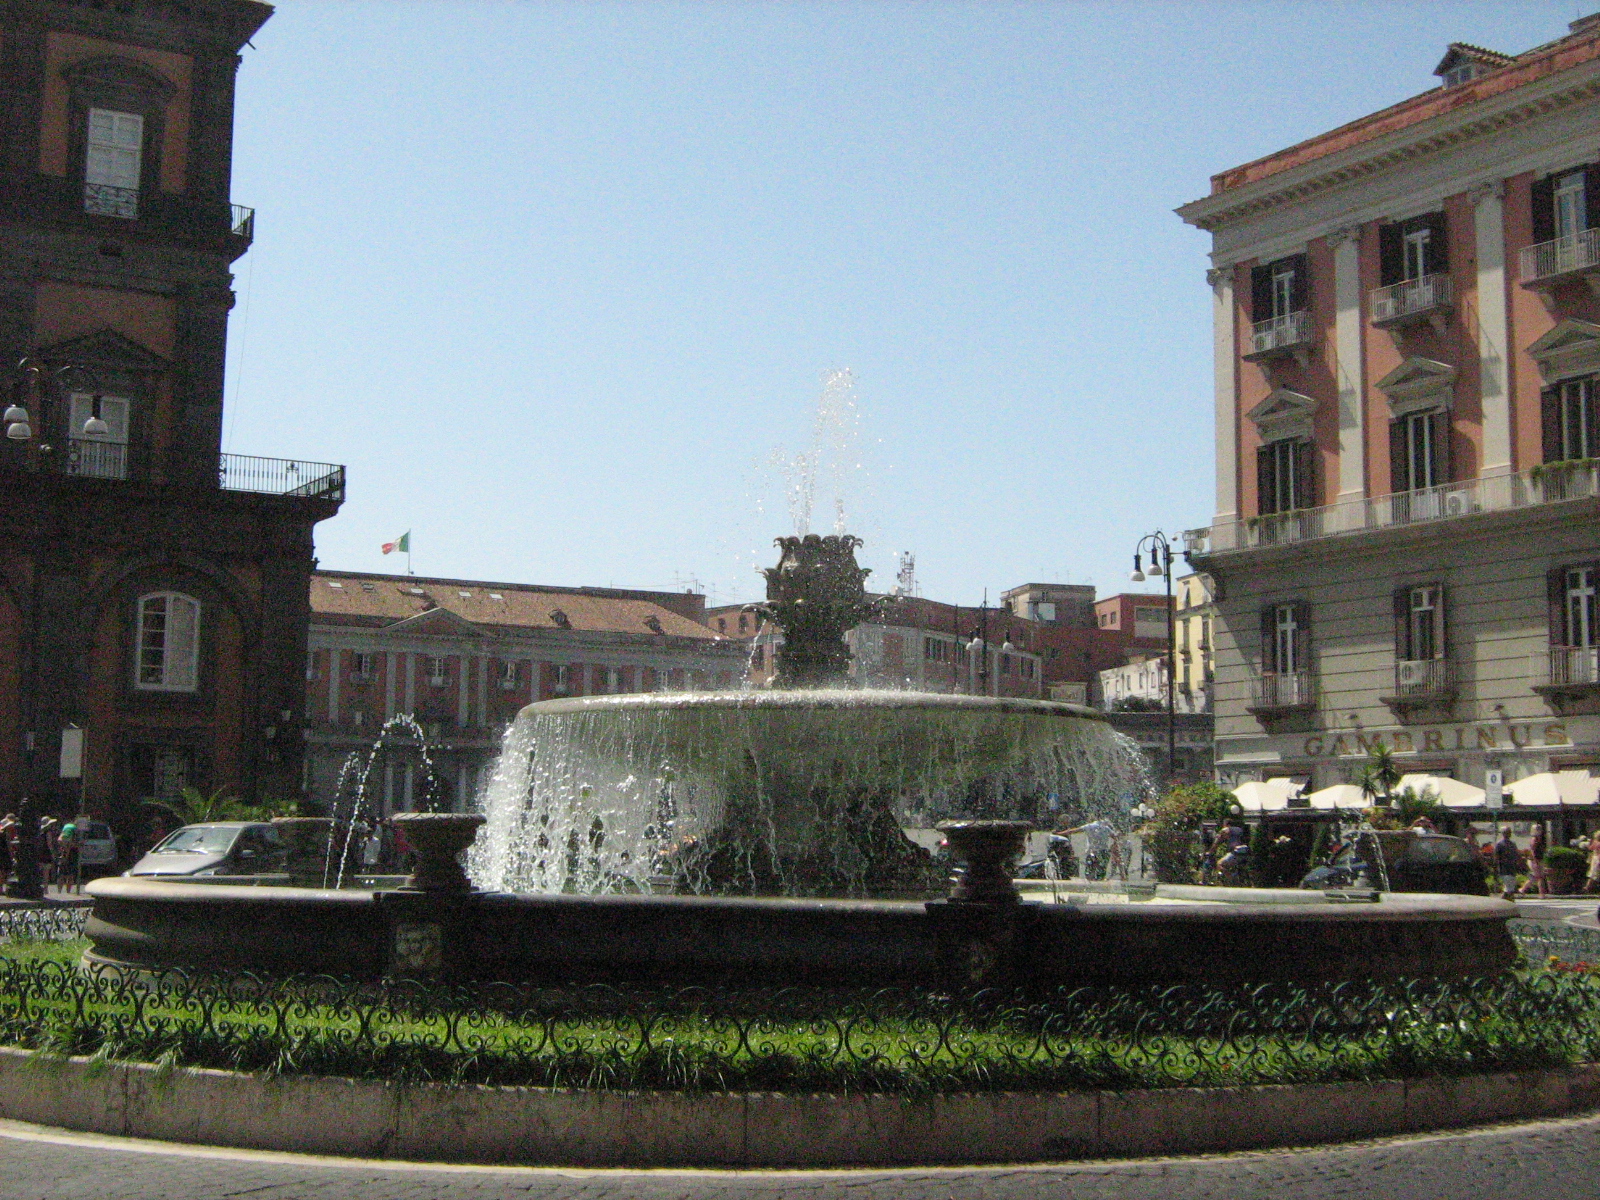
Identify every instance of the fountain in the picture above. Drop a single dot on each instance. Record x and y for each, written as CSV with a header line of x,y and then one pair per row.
x,y
777,812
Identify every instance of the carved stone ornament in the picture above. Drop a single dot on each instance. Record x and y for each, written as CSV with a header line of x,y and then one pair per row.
x,y
1419,384
1571,349
1283,414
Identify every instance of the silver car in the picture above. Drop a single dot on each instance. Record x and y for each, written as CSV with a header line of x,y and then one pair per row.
x,y
216,848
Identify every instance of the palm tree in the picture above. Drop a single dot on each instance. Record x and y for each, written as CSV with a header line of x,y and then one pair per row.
x,y
194,807
1379,774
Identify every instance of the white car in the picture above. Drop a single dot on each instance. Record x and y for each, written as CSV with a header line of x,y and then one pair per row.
x,y
98,847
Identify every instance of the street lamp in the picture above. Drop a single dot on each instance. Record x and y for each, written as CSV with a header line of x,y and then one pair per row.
x,y
1160,551
979,644
33,385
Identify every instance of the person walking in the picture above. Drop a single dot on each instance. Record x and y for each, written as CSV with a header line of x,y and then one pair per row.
x,y
1507,863
1536,884
68,843
1592,883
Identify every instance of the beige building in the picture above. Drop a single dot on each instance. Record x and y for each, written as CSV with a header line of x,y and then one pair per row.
x,y
1196,610
1406,545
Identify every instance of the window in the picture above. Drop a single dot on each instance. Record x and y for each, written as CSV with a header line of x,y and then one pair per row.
x,y
758,658
613,680
1462,73
508,675
1570,204
1580,624
1284,477
1565,205
1419,623
562,678
1419,450
1278,289
1286,639
168,643
938,650
438,672
1413,249
363,666
100,455
112,162
743,624
1572,421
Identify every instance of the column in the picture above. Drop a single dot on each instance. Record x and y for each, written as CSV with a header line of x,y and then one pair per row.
x,y
463,668
335,669
1225,363
408,668
1349,368
391,664
1488,222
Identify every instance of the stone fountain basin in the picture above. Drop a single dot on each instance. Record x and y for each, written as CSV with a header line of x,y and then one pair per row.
x,y
548,939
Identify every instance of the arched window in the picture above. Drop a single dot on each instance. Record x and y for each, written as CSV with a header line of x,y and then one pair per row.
x,y
167,645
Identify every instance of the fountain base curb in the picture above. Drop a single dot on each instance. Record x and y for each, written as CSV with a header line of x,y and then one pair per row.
x,y
536,1126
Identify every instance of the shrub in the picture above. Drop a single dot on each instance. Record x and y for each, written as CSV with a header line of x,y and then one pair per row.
x,y
1178,816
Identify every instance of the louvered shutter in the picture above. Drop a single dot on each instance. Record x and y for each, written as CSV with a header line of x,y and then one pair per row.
x,y
1269,639
1260,293
1550,424
1441,445
1299,299
1556,594
1399,458
1438,246
1266,494
1305,475
1591,195
1302,636
1391,255
1441,622
1543,202
1402,623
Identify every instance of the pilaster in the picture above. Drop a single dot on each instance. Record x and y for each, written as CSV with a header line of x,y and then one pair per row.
x,y
1225,350
1488,219
1349,367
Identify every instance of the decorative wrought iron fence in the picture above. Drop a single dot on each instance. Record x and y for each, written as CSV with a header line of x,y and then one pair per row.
x,y
890,1040
280,476
54,924
1541,941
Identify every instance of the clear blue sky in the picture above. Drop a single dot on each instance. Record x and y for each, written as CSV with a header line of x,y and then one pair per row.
x,y
555,279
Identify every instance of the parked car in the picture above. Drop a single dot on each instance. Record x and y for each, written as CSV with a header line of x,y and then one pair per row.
x,y
216,848
97,851
1413,861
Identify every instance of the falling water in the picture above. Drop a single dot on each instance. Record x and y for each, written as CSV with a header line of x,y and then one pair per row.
x,y
352,799
828,466
766,792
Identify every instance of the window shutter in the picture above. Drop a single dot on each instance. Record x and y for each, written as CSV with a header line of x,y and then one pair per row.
x,y
1591,195
1266,495
1305,475
1299,299
1555,590
1269,639
1441,445
1438,246
1543,199
1302,635
1402,623
1550,422
1260,293
1441,619
1399,460
1391,255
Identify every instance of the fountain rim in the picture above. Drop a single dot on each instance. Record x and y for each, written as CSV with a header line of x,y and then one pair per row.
x,y
813,699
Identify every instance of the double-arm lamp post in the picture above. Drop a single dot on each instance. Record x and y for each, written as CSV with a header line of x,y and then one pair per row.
x,y
1160,552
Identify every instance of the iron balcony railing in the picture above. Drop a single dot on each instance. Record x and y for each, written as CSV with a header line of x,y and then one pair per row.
x,y
1282,691
1545,485
1561,256
103,200
1574,666
1411,298
1280,333
1421,677
242,222
280,477
97,460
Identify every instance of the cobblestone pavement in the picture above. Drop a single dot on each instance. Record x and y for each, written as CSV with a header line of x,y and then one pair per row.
x,y
1546,1160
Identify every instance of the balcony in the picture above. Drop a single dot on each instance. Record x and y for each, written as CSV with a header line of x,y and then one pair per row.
x,y
242,222
103,200
1280,695
1413,301
1558,483
280,477
1279,336
1566,258
1422,683
1573,673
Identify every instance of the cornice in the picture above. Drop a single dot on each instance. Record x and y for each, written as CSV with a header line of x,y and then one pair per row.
x,y
1469,123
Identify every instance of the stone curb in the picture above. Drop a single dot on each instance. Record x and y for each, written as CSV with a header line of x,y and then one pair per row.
x,y
471,1124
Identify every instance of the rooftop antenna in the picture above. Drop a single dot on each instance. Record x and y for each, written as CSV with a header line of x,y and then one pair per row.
x,y
906,579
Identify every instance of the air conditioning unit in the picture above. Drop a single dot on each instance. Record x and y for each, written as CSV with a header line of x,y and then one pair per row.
x,y
1385,308
1411,673
1458,504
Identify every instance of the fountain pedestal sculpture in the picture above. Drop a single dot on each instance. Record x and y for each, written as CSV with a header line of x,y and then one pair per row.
x,y
816,595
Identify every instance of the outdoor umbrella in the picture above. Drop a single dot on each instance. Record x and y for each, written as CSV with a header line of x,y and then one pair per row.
x,y
1452,793
1554,788
1266,797
1340,795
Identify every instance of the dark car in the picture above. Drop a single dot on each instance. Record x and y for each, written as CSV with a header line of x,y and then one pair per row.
x,y
216,848
1412,861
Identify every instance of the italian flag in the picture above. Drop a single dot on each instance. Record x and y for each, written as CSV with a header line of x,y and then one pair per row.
x,y
401,543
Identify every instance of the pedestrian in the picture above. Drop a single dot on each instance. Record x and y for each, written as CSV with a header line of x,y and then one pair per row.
x,y
1592,883
68,844
1097,844
371,852
1507,862
6,835
1536,883
48,830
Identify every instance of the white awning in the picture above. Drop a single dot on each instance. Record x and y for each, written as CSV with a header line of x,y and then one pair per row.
x,y
1553,788
1340,795
1452,793
1267,796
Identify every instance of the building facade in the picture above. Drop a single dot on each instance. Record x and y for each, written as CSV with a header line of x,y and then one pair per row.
x,y
1196,609
462,657
1406,544
152,588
